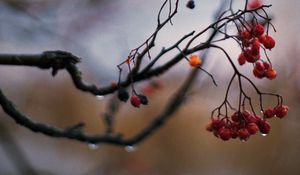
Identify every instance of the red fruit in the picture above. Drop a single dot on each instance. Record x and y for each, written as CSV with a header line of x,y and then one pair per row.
x,y
262,38
259,66
135,101
266,65
242,59
271,73
264,126
259,30
243,134
245,35
234,133
255,49
217,124
269,42
250,57
224,133
269,113
281,111
258,74
252,128
236,116
254,4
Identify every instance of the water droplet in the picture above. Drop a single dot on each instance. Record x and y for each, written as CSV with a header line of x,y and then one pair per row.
x,y
264,134
99,97
130,148
93,146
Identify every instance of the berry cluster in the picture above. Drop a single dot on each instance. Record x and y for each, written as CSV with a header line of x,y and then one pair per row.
x,y
251,41
135,100
243,124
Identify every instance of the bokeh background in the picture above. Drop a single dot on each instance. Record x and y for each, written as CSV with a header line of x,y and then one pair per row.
x,y
102,32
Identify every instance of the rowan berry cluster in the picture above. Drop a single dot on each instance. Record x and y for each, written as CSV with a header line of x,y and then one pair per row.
x,y
251,41
136,99
243,124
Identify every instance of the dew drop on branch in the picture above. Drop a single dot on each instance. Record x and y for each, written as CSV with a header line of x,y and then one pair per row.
x,y
100,97
93,146
130,148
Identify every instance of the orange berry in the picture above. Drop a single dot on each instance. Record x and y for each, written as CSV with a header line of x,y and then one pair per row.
x,y
271,73
195,61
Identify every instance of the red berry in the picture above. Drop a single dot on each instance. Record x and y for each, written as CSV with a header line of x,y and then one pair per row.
x,y
254,4
259,66
269,42
269,113
250,57
242,59
266,65
245,35
255,49
243,134
234,133
217,124
259,30
252,128
271,73
236,116
264,126
135,101
281,111
224,133
262,38
258,74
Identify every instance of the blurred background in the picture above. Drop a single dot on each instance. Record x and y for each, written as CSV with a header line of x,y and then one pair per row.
x,y
103,32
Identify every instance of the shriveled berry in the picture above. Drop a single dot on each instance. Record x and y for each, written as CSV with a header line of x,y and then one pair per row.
x,y
135,101
252,128
269,113
224,133
271,73
281,111
123,94
143,99
190,4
